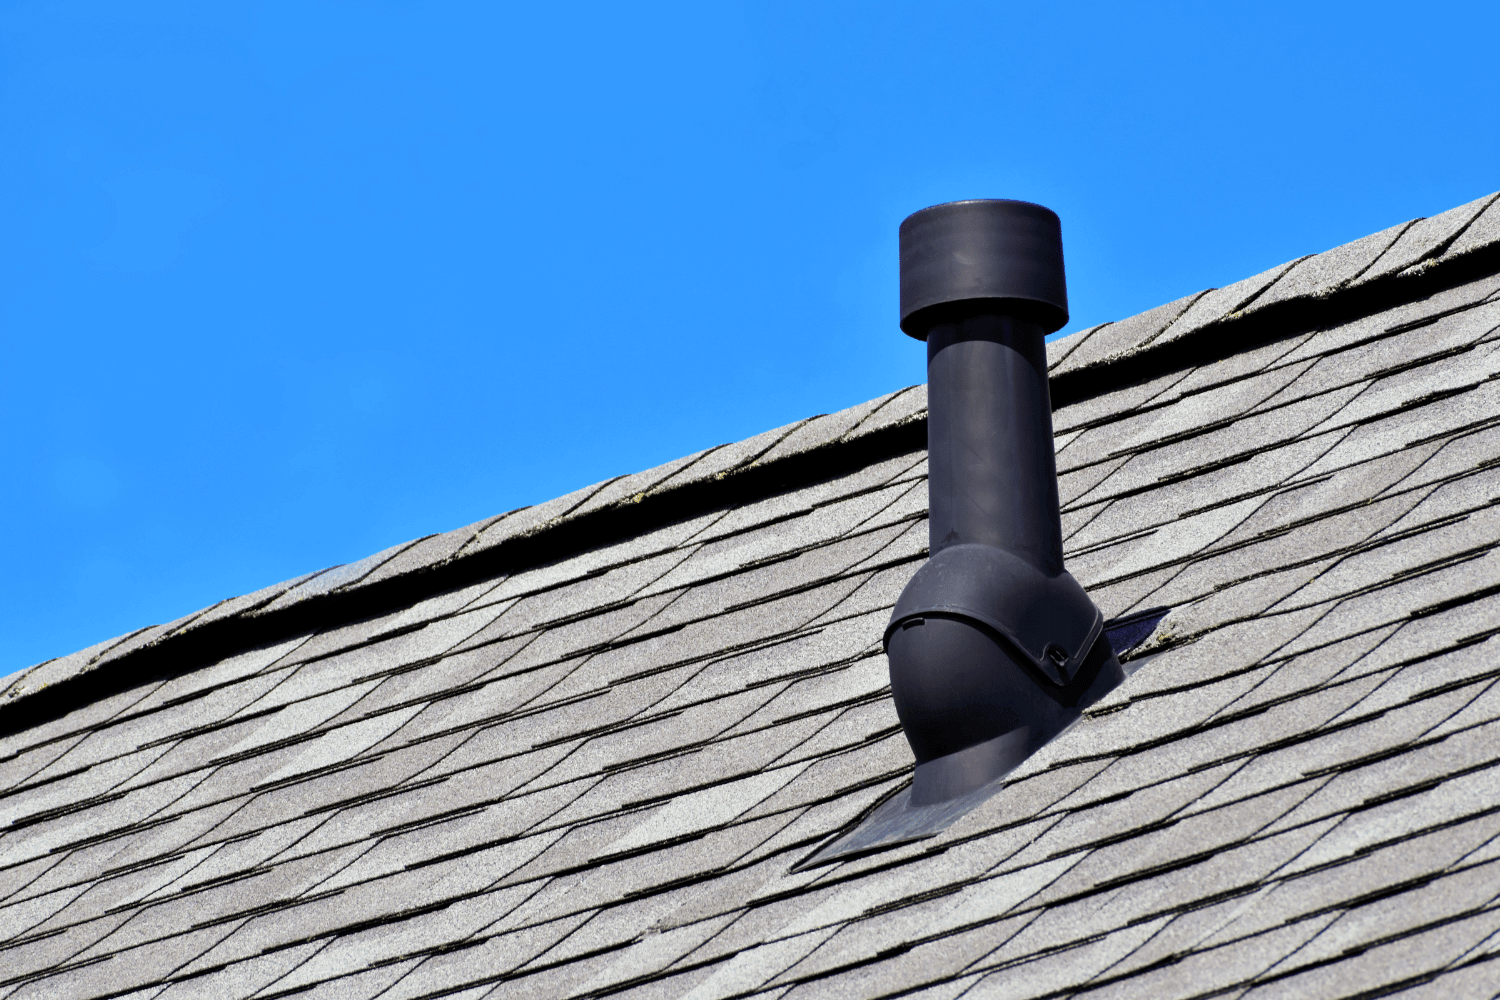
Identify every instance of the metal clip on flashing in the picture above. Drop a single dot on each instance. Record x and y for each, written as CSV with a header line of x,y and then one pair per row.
x,y
994,648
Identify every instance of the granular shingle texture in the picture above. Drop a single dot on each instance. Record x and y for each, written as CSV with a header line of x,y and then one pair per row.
x,y
577,750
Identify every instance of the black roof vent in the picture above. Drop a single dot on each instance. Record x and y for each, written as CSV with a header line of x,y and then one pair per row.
x,y
994,648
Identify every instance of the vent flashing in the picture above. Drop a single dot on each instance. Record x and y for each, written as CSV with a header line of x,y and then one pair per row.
x,y
896,820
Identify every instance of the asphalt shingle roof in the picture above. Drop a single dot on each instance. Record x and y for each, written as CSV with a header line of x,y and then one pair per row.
x,y
577,750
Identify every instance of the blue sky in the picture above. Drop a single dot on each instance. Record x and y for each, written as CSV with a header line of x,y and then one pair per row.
x,y
284,284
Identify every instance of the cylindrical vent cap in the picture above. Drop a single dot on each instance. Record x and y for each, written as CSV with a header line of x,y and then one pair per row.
x,y
982,249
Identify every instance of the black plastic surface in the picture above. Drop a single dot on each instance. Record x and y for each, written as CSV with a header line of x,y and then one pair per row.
x,y
994,647
1048,620
1006,252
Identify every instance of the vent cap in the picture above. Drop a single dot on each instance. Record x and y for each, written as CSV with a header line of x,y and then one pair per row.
x,y
983,249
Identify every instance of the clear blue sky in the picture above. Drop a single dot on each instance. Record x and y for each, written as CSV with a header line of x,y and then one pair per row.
x,y
285,284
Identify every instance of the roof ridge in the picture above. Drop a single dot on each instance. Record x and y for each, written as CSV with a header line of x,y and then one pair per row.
x,y
801,454
1406,262
1401,264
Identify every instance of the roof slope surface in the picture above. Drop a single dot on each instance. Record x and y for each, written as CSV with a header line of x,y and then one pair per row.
x,y
593,775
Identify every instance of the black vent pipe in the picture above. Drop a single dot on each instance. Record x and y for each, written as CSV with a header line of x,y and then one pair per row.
x,y
994,648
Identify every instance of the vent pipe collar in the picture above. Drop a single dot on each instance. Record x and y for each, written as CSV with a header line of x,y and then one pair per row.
x,y
994,647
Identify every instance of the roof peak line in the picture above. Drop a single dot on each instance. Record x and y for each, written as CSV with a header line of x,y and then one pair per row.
x,y
788,458
1404,263
1401,264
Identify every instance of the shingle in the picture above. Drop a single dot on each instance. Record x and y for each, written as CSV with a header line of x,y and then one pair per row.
x,y
364,985
1065,969
482,963
577,586
1321,276
1097,410
928,964
244,978
1428,238
1404,960
338,577
1169,544
1453,498
1426,904
1324,752
1261,541
1059,348
901,408
1407,388
107,815
1383,334
122,972
1192,414
1223,303
236,606
453,924
429,552
633,489
755,966
822,431
1481,233
652,953
529,520
725,459
1440,343
1078,485
1218,970
81,720
1461,459
1465,980
1258,440
1220,653
1246,364
1116,340
1316,498
1422,423
1310,671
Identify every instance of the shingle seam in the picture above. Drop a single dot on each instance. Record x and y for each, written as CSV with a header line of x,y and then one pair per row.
x,y
791,554
1321,776
1401,576
1384,989
738,775
1369,542
873,415
1440,248
1208,427
1215,465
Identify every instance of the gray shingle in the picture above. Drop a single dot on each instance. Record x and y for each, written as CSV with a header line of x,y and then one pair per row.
x,y
1210,971
1481,233
1321,276
1098,410
900,409
1428,238
1059,348
1404,960
1116,340
1224,303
